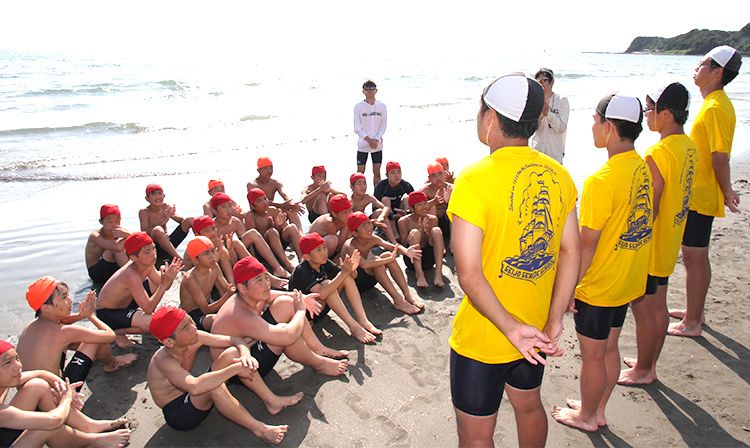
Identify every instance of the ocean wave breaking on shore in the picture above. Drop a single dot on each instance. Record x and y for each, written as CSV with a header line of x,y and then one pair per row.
x,y
88,128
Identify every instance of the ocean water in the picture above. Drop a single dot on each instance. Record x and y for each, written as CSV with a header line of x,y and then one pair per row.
x,y
79,132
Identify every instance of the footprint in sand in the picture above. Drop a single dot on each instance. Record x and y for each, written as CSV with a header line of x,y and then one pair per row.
x,y
355,404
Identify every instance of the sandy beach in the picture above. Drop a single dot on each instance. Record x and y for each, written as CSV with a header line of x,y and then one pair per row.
x,y
397,392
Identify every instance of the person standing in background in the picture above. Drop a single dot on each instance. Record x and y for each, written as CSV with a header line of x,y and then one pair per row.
x,y
549,137
370,120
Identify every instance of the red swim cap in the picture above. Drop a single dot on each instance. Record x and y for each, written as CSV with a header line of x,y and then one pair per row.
x,y
355,177
165,321
434,167
213,183
201,223
264,162
254,194
355,220
199,245
5,346
247,269
218,199
415,197
109,209
442,160
136,242
318,169
150,188
392,166
339,203
38,292
310,242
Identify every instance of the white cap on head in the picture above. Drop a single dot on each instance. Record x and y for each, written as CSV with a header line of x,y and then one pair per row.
x,y
621,107
516,96
727,57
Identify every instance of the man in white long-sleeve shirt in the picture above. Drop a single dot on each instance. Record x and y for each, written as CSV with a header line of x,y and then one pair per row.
x,y
370,120
553,123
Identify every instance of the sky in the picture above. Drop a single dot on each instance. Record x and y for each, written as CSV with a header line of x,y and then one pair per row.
x,y
309,31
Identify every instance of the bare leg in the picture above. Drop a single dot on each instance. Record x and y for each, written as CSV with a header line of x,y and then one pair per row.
x,y
65,436
651,322
312,341
415,237
697,281
355,301
531,420
252,237
332,243
375,173
240,250
399,302
186,225
160,237
110,362
475,431
292,233
438,246
274,241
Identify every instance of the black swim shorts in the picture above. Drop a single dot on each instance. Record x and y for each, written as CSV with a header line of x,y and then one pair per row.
x,y
364,280
78,368
176,238
180,413
595,322
8,436
477,388
377,157
102,271
197,316
261,352
118,318
428,259
653,282
697,230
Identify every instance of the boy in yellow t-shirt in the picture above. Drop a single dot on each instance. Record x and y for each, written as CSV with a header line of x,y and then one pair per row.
x,y
517,253
712,133
672,165
616,230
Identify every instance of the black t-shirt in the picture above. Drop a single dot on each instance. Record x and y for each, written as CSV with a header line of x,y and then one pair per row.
x,y
305,277
384,190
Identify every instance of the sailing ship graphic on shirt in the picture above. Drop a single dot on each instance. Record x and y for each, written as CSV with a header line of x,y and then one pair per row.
x,y
686,179
536,255
640,219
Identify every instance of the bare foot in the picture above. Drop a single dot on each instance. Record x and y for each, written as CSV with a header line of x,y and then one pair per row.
x,y
281,273
439,279
367,325
279,402
634,377
680,314
362,335
120,362
331,353
406,307
421,281
123,341
629,361
272,434
419,303
576,404
117,438
572,417
105,425
333,367
681,329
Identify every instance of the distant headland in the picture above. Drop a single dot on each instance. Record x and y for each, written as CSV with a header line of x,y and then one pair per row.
x,y
694,42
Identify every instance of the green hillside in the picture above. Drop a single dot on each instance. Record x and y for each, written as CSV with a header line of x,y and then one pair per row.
x,y
695,42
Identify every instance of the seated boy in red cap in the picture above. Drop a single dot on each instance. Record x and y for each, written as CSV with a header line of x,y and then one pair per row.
x,y
44,342
217,186
154,219
271,186
276,320
202,283
361,199
318,274
272,223
315,196
392,189
438,192
104,252
123,302
332,225
422,229
230,225
449,177
45,410
186,400
373,268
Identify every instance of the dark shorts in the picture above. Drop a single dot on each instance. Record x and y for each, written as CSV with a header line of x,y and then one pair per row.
x,y
261,352
653,283
595,322
197,316
445,225
312,215
477,388
180,413
102,271
697,230
377,157
9,436
364,280
118,318
176,238
78,367
428,259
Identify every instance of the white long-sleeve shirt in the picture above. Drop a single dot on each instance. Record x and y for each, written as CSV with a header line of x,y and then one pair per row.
x,y
550,135
370,120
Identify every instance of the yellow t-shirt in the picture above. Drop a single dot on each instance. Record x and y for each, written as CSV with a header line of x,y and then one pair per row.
x,y
674,156
713,131
520,198
617,200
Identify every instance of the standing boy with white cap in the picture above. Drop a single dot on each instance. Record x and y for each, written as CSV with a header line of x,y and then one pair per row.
x,y
518,276
672,165
712,132
616,227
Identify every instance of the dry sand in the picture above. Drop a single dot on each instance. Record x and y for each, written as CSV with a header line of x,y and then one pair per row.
x,y
397,390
